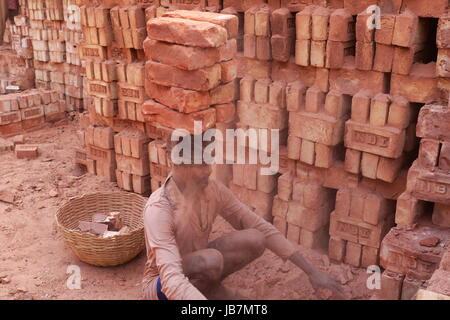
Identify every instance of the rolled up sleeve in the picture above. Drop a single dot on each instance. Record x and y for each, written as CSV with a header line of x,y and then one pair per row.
x,y
241,217
159,229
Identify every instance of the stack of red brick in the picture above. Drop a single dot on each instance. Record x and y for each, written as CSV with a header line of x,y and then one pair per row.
x,y
29,110
407,262
190,76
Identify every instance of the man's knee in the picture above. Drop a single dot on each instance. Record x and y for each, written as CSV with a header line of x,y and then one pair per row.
x,y
255,241
209,264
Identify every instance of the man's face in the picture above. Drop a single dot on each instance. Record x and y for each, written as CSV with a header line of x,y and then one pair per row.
x,y
197,174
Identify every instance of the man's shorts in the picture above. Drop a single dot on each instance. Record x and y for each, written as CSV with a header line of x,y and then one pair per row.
x,y
152,291
159,293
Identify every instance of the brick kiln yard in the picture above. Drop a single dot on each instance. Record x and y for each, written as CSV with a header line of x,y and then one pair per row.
x,y
35,259
363,115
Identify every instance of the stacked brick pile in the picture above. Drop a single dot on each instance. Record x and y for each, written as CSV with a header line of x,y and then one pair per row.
x,y
101,157
74,73
132,157
262,106
406,259
29,110
17,63
46,31
115,91
190,74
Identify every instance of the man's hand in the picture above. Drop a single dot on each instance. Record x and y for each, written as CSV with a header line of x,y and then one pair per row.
x,y
318,279
321,280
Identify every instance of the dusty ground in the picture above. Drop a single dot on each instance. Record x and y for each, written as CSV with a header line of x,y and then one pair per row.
x,y
34,258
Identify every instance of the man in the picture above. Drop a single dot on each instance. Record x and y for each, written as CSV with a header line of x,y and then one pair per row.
x,y
178,219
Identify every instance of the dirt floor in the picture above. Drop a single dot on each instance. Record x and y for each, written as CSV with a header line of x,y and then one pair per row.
x,y
34,259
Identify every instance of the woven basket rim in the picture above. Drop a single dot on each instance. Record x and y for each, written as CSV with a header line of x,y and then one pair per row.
x,y
75,231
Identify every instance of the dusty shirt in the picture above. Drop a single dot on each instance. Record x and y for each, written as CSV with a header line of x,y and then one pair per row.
x,y
175,226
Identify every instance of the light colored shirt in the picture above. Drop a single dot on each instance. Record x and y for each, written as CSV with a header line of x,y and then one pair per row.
x,y
176,226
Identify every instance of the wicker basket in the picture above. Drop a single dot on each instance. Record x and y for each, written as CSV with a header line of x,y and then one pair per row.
x,y
95,250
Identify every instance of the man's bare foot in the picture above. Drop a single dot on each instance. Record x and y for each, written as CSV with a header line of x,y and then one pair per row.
x,y
221,292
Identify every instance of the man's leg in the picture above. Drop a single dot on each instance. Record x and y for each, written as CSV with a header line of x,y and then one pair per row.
x,y
204,268
226,255
239,249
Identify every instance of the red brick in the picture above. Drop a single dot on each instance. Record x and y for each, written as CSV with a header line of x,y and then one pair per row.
x,y
363,33
391,285
262,22
293,234
399,113
337,51
386,32
405,30
201,80
184,57
336,249
302,52
369,256
365,52
320,23
227,21
316,127
183,100
443,32
318,53
225,93
357,231
285,187
250,46
295,96
349,80
282,22
186,32
428,153
25,151
389,142
263,48
430,123
423,8
154,111
421,77
304,23
376,208
353,253
341,26
282,47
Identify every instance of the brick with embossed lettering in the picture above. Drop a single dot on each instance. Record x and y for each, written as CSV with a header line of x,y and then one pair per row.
x,y
357,231
402,252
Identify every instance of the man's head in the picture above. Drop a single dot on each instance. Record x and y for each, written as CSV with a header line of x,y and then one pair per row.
x,y
187,161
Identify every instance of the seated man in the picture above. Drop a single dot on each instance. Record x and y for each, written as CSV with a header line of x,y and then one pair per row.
x,y
178,218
